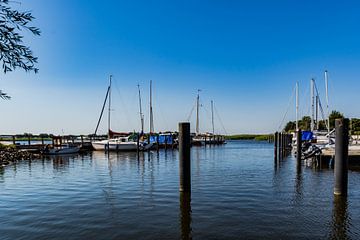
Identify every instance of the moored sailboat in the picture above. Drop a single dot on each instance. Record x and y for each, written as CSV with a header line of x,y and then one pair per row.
x,y
117,141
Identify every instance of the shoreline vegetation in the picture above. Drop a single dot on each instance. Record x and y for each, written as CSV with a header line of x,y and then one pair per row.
x,y
9,154
256,137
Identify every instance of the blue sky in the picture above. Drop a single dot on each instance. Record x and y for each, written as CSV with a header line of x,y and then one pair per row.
x,y
244,55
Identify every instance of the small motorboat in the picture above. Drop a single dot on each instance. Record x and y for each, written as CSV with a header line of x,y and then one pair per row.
x,y
59,150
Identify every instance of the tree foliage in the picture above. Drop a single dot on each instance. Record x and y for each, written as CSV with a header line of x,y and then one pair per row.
x,y
305,122
13,53
334,115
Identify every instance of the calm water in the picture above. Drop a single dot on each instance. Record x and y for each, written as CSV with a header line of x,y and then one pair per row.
x,y
237,193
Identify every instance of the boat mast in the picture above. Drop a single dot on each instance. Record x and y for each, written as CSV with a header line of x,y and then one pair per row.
x,y
102,110
212,117
197,112
317,111
297,106
327,101
141,114
151,111
109,107
312,83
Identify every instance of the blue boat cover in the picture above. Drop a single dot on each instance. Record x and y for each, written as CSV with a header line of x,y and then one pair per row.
x,y
162,139
307,135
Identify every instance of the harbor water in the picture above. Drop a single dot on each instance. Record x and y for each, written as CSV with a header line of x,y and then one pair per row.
x,y
237,193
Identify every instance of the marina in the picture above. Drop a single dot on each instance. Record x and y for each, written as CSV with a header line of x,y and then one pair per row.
x,y
236,191
169,120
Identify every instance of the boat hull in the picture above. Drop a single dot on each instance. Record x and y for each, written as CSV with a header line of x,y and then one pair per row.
x,y
120,146
62,151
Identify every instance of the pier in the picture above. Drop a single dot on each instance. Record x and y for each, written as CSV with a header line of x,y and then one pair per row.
x,y
162,140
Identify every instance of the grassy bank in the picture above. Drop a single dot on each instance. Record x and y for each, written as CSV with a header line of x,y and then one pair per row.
x,y
257,137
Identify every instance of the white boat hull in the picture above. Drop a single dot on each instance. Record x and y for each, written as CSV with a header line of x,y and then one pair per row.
x,y
61,151
107,145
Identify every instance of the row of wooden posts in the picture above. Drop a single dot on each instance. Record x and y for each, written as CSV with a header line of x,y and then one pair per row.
x,y
282,146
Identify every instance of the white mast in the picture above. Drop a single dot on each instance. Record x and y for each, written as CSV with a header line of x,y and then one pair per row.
x,y
151,111
141,114
212,117
109,107
197,112
297,106
327,101
312,83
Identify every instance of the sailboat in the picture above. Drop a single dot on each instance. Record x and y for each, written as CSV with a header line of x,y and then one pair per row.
x,y
117,141
205,138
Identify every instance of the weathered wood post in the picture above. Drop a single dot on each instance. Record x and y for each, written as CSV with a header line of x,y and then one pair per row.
x,y
166,140
137,144
298,146
280,145
29,140
157,142
184,157
276,135
341,156
82,139
13,139
42,140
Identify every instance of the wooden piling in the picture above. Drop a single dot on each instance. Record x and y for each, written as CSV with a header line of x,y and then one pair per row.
x,y
138,144
276,135
184,157
281,144
157,142
298,146
341,156
29,140
13,139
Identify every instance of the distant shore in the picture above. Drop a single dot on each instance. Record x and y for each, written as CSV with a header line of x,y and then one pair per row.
x,y
256,137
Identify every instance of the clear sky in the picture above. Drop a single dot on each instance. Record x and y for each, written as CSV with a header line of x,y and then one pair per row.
x,y
244,55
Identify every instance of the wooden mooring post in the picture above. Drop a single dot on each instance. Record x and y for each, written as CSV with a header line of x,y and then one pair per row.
x,y
276,135
341,156
298,147
184,157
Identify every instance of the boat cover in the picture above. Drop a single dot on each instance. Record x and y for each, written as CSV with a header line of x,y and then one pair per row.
x,y
307,135
162,139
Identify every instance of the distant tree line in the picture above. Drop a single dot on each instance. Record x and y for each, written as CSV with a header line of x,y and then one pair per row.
x,y
305,123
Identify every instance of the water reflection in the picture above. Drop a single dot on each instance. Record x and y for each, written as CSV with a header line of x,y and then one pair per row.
x,y
185,215
340,218
298,184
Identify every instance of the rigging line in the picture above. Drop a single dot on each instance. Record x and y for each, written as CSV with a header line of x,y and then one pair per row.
x,y
123,103
321,109
305,110
287,110
221,122
159,111
191,112
102,110
208,114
